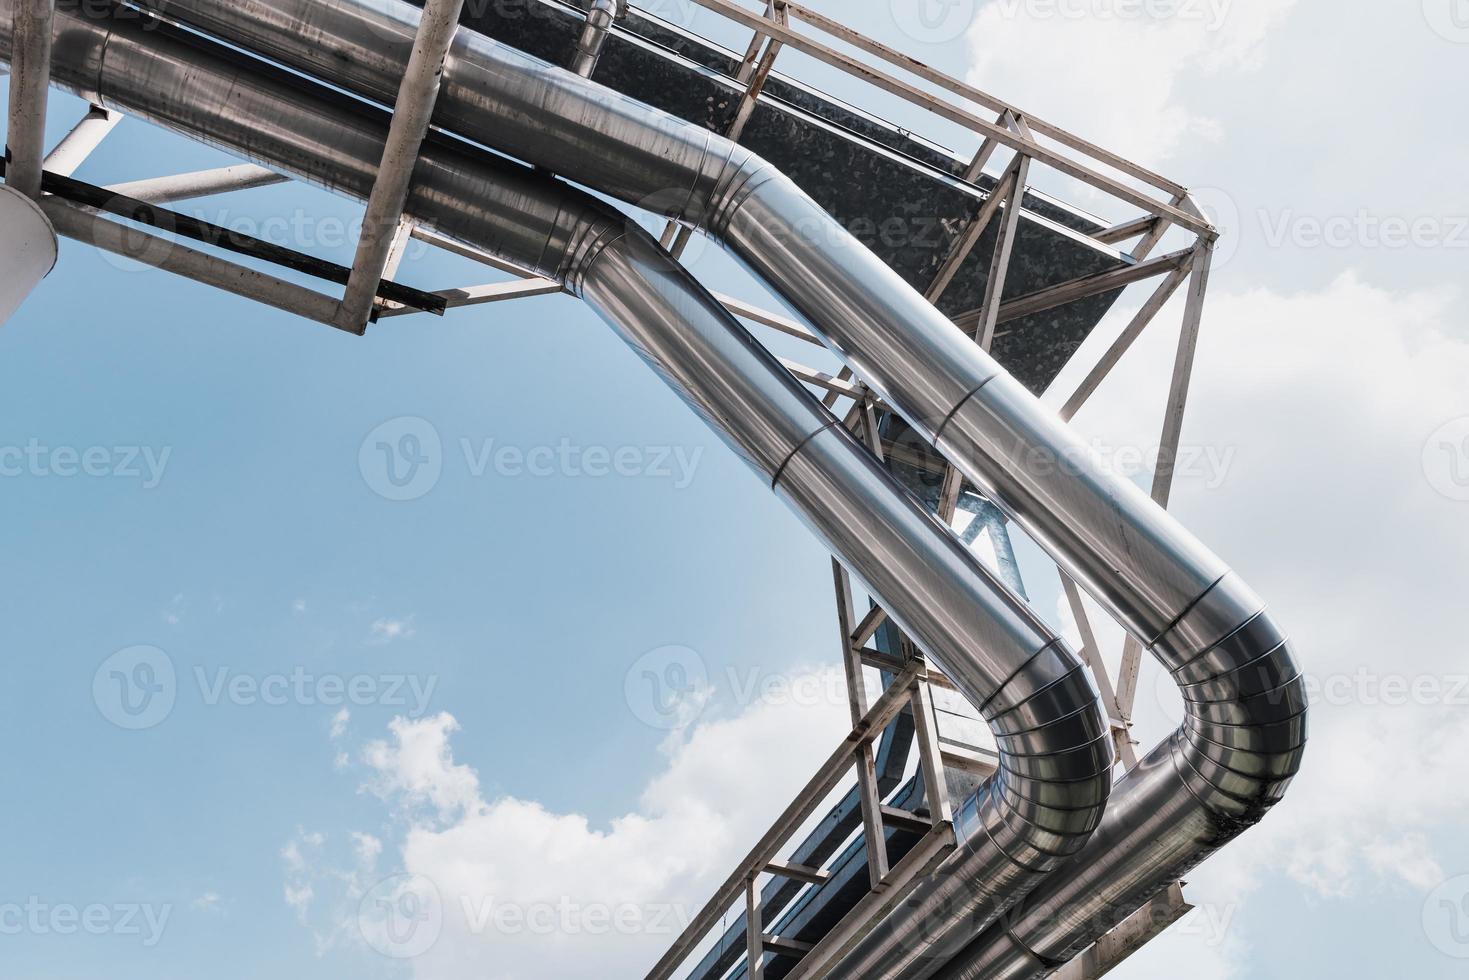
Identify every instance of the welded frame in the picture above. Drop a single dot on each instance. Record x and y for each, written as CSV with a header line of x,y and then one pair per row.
x,y
1164,205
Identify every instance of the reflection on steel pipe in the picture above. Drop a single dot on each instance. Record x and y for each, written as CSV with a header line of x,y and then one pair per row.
x,y
1035,693
27,249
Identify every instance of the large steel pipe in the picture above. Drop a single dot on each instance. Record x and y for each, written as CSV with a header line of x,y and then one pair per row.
x,y
1035,693
1150,573
1121,547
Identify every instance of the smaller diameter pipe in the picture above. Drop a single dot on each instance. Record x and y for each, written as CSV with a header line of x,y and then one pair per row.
x,y
411,116
600,17
68,155
201,183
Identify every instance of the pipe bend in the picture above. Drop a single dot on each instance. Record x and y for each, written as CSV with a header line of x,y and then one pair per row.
x,y
1240,744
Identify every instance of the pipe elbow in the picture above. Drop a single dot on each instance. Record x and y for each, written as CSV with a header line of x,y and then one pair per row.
x,y
1245,728
731,174
577,239
1056,758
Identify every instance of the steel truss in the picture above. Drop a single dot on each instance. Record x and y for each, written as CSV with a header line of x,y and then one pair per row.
x,y
76,210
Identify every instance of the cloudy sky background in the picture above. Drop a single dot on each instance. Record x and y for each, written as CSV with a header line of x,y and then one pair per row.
x,y
507,751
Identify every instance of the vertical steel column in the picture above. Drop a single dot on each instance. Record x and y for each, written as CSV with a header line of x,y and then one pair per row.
x,y
30,77
412,114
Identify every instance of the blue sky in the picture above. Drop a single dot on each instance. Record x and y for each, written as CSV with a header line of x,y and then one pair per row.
x,y
530,606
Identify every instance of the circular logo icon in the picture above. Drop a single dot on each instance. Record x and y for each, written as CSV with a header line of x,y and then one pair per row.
x,y
135,688
402,459
933,21
1223,213
1446,918
401,917
140,249
667,688
1446,459
1448,18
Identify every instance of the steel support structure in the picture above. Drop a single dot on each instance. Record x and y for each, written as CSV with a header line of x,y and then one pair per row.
x,y
1032,142
30,82
412,113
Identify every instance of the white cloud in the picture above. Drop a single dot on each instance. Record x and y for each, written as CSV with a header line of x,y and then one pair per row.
x,y
339,723
530,893
417,769
386,629
1110,70
207,902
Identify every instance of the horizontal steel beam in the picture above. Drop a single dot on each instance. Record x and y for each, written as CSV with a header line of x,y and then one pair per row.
x,y
100,198
81,224
1082,288
497,292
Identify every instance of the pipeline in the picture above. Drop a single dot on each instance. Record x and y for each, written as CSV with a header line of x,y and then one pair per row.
x,y
1129,554
1243,739
1037,696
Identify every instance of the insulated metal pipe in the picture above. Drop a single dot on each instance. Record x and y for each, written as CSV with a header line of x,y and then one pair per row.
x,y
1038,698
1134,558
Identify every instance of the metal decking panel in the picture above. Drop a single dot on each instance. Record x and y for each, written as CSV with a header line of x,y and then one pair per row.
x,y
898,194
